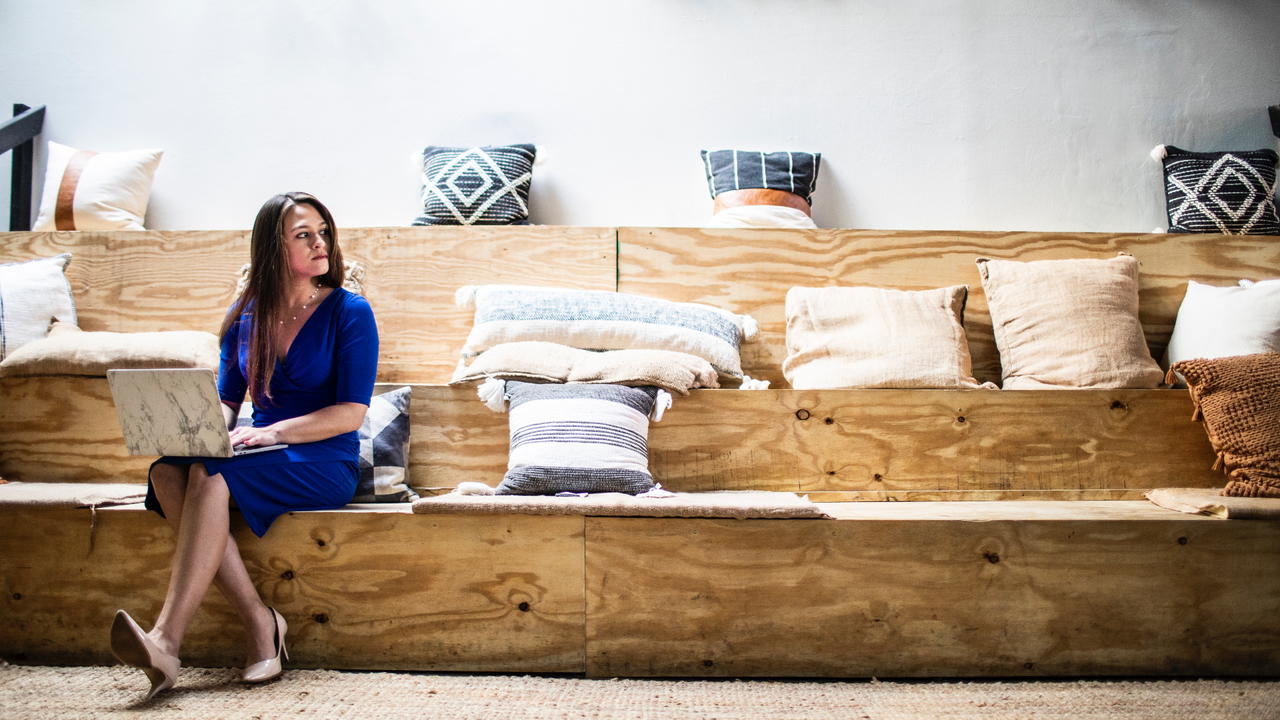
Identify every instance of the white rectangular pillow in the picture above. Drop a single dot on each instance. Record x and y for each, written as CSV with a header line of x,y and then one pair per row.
x,y
1216,322
32,295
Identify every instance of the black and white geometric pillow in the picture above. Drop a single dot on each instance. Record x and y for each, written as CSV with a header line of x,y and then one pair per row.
x,y
1221,192
794,172
476,186
384,448
578,438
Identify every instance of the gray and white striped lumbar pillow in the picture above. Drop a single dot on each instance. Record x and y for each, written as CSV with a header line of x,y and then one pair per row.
x,y
578,438
600,320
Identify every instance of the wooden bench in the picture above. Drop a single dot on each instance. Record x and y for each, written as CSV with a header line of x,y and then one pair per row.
x,y
1107,584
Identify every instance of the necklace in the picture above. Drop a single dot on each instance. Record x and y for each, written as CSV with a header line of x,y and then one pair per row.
x,y
313,297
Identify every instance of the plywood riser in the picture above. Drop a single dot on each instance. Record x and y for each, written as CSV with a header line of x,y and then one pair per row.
x,y
833,444
962,590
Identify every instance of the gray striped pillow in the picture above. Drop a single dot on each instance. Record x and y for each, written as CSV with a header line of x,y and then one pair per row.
x,y
578,438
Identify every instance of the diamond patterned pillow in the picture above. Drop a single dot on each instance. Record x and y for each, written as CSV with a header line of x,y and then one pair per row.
x,y
476,186
384,448
1221,192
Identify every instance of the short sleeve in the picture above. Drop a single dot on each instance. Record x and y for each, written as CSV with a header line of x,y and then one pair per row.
x,y
231,382
357,352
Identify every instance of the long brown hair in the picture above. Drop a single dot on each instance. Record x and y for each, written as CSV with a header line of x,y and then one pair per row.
x,y
264,297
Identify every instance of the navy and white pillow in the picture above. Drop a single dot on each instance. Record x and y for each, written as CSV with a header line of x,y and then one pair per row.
x,y
384,448
601,320
476,186
1220,192
578,439
793,172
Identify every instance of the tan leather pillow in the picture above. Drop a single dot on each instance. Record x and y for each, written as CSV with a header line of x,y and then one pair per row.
x,y
1238,399
1068,323
863,337
545,362
67,350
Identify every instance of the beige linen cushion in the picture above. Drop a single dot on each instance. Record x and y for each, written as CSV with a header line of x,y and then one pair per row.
x,y
1068,323
70,351
536,361
863,337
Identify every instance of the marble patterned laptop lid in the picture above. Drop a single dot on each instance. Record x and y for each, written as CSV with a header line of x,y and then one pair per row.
x,y
170,412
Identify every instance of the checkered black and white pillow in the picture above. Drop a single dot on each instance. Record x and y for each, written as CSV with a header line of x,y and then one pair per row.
x,y
794,172
476,186
578,438
384,448
1221,192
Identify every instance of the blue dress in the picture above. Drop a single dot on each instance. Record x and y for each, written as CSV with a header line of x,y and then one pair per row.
x,y
333,359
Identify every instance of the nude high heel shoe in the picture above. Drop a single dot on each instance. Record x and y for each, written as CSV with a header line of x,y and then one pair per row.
x,y
267,669
132,647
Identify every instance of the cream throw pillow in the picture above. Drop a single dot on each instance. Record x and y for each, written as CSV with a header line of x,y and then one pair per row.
x,y
1068,323
85,190
32,295
70,351
863,337
546,362
1216,322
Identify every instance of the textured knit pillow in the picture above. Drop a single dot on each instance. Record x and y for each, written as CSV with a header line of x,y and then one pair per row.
x,y
1239,400
84,190
552,363
1068,323
70,351
384,448
32,295
862,337
1218,322
599,320
578,438
476,186
793,172
1220,192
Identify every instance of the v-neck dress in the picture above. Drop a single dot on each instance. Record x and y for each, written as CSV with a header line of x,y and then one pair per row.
x,y
333,359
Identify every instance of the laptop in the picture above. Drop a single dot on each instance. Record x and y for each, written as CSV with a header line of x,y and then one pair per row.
x,y
173,412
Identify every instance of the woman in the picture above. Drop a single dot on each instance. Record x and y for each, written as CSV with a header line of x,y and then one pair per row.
x,y
306,351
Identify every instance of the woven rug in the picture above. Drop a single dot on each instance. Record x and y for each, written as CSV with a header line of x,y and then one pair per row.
x,y
734,504
116,692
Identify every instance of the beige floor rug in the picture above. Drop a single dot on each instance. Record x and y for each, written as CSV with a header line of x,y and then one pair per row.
x,y
116,692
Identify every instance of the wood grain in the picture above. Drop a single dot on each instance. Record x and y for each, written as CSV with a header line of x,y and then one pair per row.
x,y
144,281
1077,444
365,590
750,271
1148,592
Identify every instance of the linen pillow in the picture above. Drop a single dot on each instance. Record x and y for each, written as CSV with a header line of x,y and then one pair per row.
x,y
70,351
793,172
384,448
864,337
1068,323
578,439
761,216
553,363
32,295
1238,398
476,186
1220,192
84,190
1216,322
598,320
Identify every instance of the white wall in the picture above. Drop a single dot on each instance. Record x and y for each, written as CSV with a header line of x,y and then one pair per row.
x,y
930,114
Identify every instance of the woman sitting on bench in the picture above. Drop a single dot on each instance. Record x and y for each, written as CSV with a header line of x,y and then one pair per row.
x,y
306,351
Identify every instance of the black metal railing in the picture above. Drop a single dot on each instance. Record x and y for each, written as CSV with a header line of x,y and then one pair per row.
x,y
19,135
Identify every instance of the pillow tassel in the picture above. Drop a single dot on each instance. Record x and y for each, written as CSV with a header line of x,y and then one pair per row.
x,y
493,393
1219,464
459,372
1158,153
749,384
750,328
661,403
465,297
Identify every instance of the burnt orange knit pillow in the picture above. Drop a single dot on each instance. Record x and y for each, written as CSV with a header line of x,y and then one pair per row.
x,y
1239,400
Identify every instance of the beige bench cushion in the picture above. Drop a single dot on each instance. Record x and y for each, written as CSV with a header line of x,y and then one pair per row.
x,y
70,351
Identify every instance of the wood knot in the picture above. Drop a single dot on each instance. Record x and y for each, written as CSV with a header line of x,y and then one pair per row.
x,y
1028,665
991,557
803,414
960,419
878,477
320,618
1117,405
707,663
1182,541
524,607
320,543
17,596
830,421
286,575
